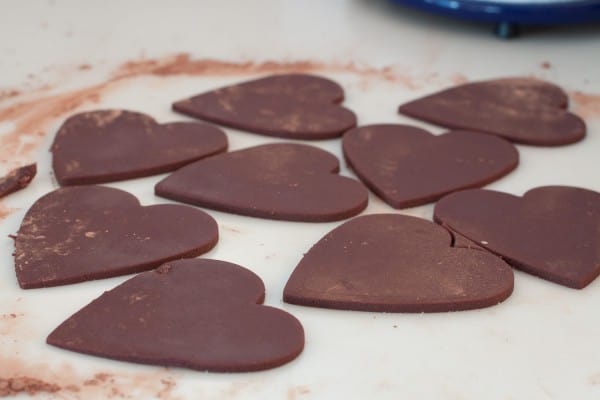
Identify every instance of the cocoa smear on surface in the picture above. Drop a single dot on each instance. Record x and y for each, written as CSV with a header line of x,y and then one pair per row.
x,y
459,79
66,382
9,326
5,211
586,104
24,384
7,94
183,64
32,118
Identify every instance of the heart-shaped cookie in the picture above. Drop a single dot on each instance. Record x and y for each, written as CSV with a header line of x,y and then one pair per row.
x,y
111,145
396,263
200,314
294,106
81,233
407,166
552,232
522,110
283,181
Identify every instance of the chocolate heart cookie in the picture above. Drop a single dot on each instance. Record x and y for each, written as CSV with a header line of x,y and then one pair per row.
x,y
199,314
294,106
111,145
82,233
522,110
552,232
396,263
407,166
283,181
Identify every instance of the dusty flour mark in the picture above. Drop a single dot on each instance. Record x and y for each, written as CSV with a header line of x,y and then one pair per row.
x,y
459,79
9,93
67,382
586,105
10,325
230,228
297,392
6,211
594,379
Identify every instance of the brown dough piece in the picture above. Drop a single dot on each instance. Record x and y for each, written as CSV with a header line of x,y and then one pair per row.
x,y
294,106
199,314
408,166
82,233
284,181
396,263
522,110
552,232
111,145
17,179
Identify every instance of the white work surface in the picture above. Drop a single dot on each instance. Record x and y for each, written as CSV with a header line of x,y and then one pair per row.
x,y
542,343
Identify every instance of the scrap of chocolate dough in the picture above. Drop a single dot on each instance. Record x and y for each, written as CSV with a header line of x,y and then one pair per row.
x,y
17,179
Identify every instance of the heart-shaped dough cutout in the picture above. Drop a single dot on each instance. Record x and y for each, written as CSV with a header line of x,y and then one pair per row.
x,y
396,263
293,106
81,233
522,110
111,145
407,166
283,181
552,232
199,314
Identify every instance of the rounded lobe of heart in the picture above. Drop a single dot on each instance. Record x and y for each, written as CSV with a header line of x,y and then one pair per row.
x,y
275,181
110,145
396,263
408,166
522,110
199,314
295,107
82,233
552,232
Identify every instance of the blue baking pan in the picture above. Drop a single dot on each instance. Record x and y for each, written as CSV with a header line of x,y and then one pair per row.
x,y
509,14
